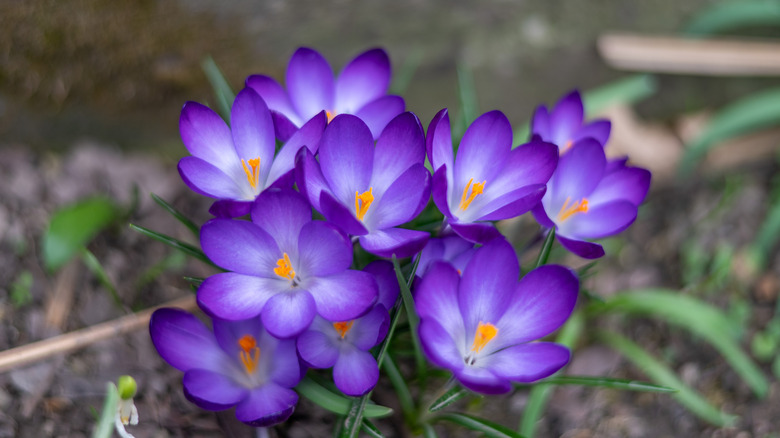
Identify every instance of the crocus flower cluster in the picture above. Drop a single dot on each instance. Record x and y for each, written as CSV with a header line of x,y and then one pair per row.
x,y
351,176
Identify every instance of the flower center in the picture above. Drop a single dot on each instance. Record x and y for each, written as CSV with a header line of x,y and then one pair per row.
x,y
250,353
484,334
362,202
284,268
470,192
330,115
252,171
343,327
568,211
566,146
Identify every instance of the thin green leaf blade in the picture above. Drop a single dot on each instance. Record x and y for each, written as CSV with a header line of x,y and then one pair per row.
x,y
481,425
606,382
177,214
94,265
661,374
223,92
335,403
173,242
725,16
369,428
757,111
449,397
698,317
73,227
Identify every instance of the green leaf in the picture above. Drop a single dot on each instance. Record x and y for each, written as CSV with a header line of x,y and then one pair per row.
x,y
725,16
173,242
486,427
336,403
605,382
177,214
399,384
467,95
411,313
544,253
370,429
757,111
768,235
626,91
93,264
105,426
449,397
696,316
663,375
73,227
20,289
224,94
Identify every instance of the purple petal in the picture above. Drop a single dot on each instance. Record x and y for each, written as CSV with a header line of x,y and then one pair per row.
x,y
340,216
227,209
384,274
235,296
317,349
436,298
288,314
228,333
439,192
355,372
401,200
345,296
439,141
272,93
206,179
207,136
540,304
540,124
587,250
253,130
628,183
482,380
366,330
284,128
364,79
309,177
483,150
285,368
346,156
212,391
239,246
184,342
601,221
323,249
579,172
378,113
488,284
282,214
400,146
310,83
529,362
514,204
308,136
267,405
398,241
566,118
541,216
528,164
439,345
597,130
476,232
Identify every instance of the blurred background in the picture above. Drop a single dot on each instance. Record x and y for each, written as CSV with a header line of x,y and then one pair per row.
x,y
90,95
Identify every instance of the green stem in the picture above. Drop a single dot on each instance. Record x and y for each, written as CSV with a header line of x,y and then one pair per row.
x,y
544,254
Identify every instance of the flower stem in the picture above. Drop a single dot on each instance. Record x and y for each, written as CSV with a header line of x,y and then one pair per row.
x,y
544,254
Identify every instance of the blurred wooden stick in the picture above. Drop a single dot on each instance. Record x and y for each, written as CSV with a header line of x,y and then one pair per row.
x,y
15,357
691,56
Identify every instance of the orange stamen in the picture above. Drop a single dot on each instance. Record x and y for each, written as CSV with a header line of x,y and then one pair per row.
x,y
343,327
568,211
250,353
252,171
330,114
484,334
284,268
476,189
567,146
362,202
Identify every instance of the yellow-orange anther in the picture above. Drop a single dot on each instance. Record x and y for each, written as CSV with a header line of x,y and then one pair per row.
x,y
567,146
284,268
252,171
469,196
362,202
484,334
568,211
330,114
250,352
343,327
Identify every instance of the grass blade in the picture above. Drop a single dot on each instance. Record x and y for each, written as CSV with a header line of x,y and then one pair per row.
x,y
544,254
335,403
450,397
488,428
184,247
605,382
93,264
177,214
224,94
661,374
370,429
401,389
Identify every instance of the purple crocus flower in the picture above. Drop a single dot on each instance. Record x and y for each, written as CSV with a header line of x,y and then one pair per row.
x,y
345,345
238,364
234,166
452,249
360,89
369,191
590,198
480,325
488,180
285,268
564,125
